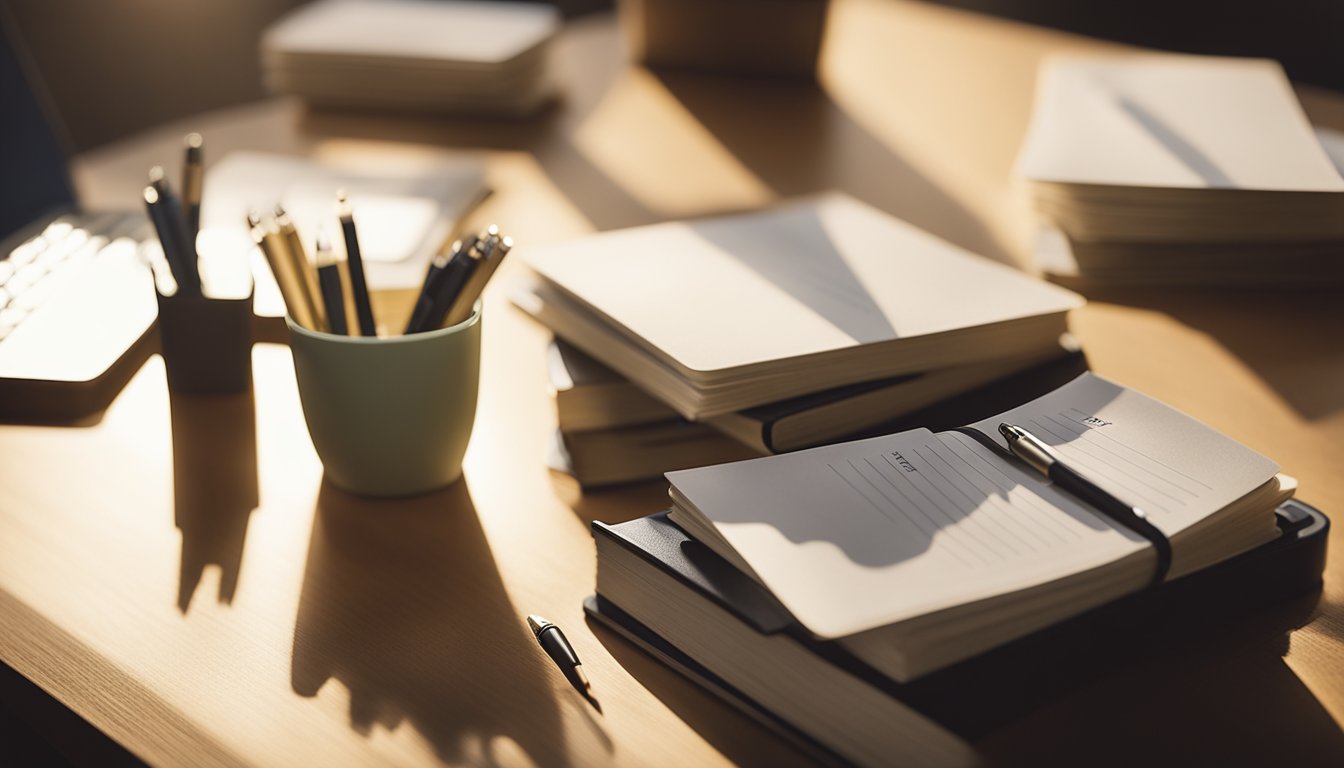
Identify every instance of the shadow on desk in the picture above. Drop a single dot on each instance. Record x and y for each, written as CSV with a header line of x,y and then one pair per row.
x,y
1223,695
402,603
214,486
1281,335
798,140
737,737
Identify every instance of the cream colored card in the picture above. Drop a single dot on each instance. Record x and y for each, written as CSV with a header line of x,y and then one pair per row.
x,y
1163,120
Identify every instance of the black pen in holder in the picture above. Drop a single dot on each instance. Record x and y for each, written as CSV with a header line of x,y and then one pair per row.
x,y
206,343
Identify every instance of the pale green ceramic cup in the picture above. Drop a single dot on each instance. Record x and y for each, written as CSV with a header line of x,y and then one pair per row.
x,y
390,416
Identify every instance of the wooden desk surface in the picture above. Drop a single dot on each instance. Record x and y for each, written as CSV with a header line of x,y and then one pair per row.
x,y
180,576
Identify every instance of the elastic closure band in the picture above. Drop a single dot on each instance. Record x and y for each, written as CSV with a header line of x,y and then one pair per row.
x,y
1137,523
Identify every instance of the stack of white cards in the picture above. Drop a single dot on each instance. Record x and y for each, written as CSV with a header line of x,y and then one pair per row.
x,y
422,55
1181,169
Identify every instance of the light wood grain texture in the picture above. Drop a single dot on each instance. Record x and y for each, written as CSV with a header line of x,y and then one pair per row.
x,y
203,608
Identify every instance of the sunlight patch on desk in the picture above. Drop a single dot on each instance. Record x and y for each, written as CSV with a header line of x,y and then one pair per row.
x,y
668,161
1314,652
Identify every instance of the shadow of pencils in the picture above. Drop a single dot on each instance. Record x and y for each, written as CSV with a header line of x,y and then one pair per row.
x,y
214,486
402,603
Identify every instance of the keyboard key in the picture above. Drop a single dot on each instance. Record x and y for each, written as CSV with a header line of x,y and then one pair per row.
x,y
12,316
25,253
57,230
33,298
26,278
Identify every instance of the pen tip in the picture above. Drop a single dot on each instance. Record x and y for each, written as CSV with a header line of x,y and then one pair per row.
x,y
151,195
536,623
156,174
194,143
1006,429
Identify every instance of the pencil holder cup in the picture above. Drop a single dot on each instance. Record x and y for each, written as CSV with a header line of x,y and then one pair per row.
x,y
206,343
390,416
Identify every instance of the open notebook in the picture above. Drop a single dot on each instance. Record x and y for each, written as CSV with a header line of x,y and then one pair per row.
x,y
916,550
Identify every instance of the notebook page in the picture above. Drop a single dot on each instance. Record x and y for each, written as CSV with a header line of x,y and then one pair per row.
x,y
1172,121
1171,466
860,535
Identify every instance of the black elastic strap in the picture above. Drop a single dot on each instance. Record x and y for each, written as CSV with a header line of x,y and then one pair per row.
x,y
1140,525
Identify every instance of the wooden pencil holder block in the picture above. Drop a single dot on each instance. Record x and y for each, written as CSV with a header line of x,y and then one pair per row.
x,y
762,37
206,343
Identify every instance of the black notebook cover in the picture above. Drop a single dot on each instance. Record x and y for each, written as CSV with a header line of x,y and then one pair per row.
x,y
985,692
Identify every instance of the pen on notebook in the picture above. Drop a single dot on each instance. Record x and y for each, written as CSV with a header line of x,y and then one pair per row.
x,y
1043,459
329,277
461,307
355,263
553,642
193,182
303,266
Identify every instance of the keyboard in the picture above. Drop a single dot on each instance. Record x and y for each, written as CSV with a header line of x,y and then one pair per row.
x,y
76,307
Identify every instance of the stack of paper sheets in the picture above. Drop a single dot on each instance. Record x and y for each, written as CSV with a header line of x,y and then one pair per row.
x,y
432,55
724,314
1182,168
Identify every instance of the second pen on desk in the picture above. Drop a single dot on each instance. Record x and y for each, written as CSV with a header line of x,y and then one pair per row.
x,y
329,277
355,263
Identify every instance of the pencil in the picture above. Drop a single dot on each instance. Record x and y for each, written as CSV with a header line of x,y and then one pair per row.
x,y
273,246
302,265
355,263
329,277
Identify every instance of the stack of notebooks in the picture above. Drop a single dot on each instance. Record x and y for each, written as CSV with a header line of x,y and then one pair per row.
x,y
470,56
610,431
780,329
1184,169
822,586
